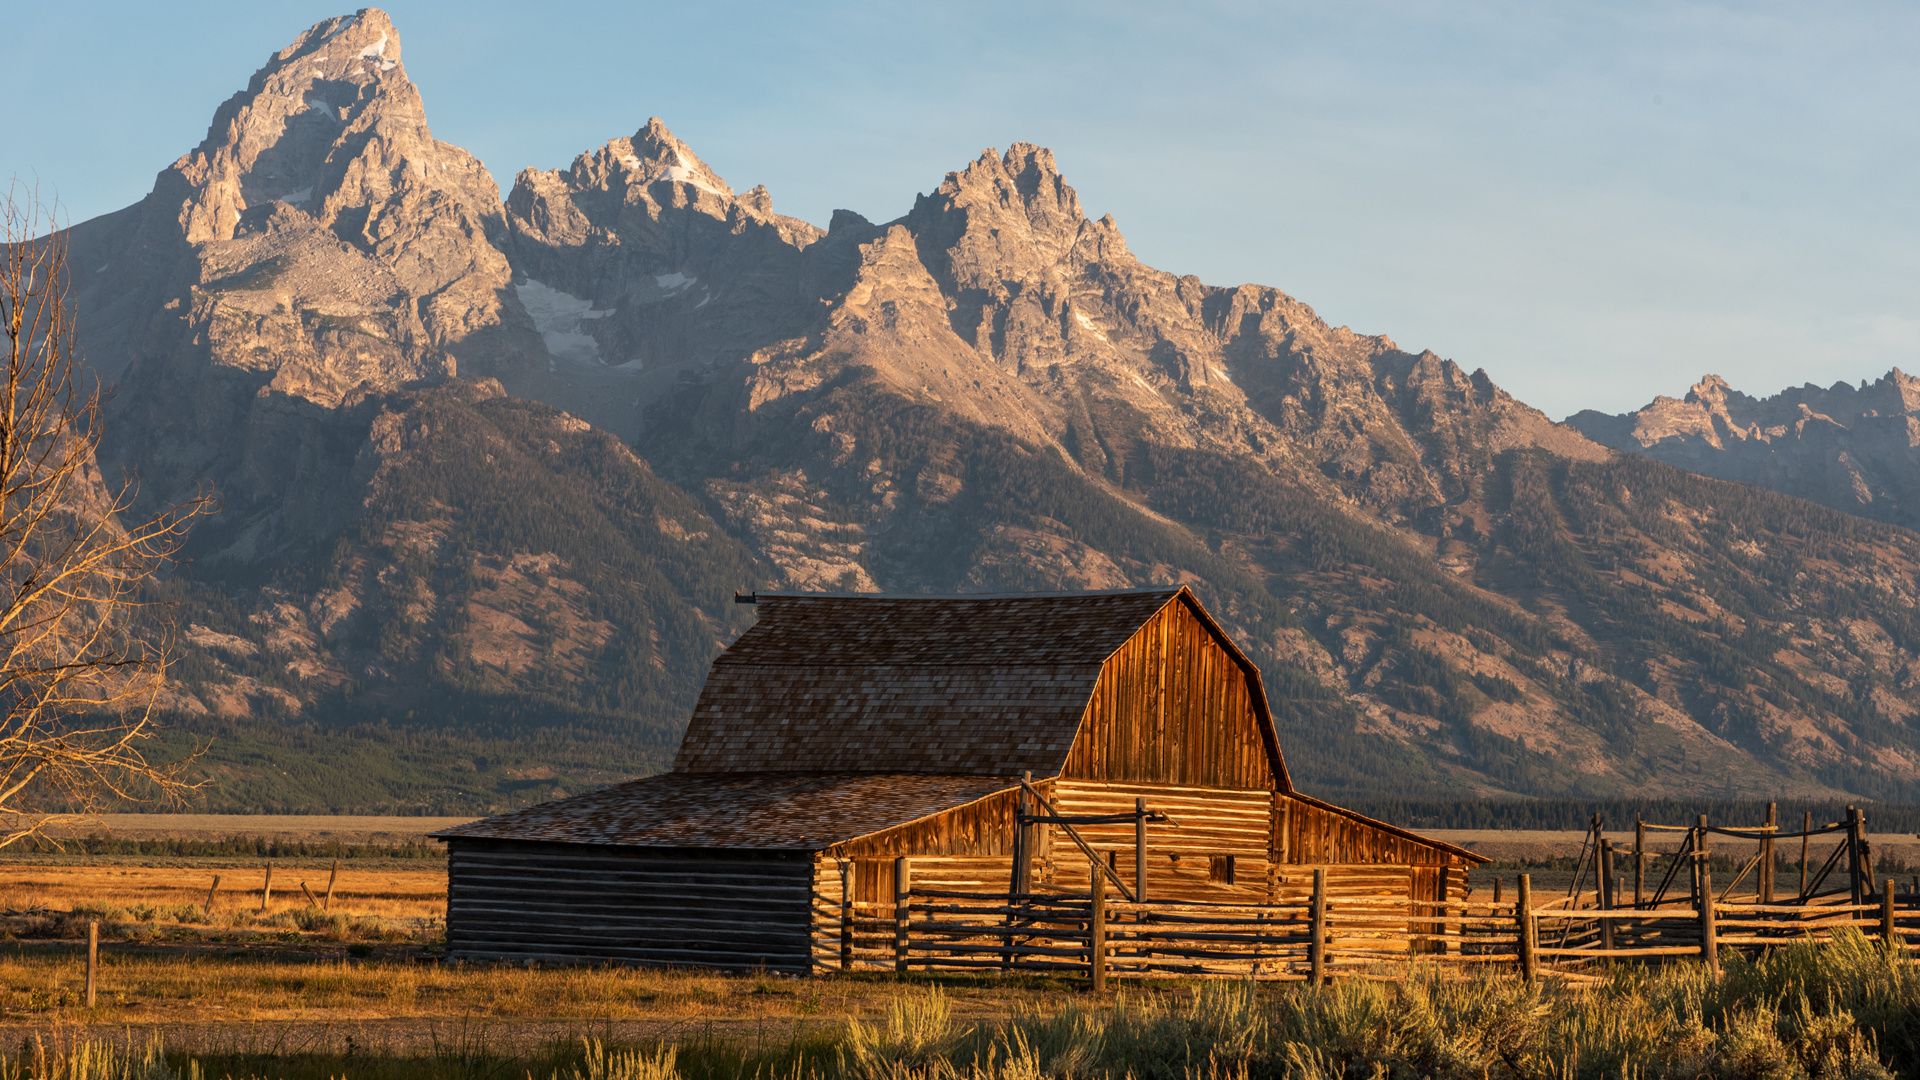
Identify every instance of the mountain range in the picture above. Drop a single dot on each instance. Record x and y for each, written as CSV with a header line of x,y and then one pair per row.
x,y
492,470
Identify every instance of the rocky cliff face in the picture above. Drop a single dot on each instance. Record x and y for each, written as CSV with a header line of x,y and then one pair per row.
x,y
494,468
1852,448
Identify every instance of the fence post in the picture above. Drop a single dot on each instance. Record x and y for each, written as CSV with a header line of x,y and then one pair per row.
x,y
846,916
1886,913
331,878
1097,932
1866,856
1523,917
902,896
1806,837
207,908
1140,851
266,890
1639,861
1699,835
1766,857
1709,939
1317,941
1606,894
93,957
1021,856
1853,852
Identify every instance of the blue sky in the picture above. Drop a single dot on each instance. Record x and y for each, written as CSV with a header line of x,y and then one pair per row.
x,y
1596,202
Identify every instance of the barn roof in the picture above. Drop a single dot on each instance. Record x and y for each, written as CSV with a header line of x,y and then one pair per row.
x,y
991,685
781,811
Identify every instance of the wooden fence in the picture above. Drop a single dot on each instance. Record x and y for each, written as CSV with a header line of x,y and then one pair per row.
x,y
956,914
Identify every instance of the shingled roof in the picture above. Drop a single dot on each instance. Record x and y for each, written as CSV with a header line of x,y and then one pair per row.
x,y
980,685
781,811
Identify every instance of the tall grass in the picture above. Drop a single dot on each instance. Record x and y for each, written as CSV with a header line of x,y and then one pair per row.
x,y
1849,1010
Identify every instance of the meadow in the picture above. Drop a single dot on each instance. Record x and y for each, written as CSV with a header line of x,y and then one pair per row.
x,y
289,992
1849,1011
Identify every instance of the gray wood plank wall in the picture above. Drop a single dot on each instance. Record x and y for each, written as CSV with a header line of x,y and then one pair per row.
x,y
516,901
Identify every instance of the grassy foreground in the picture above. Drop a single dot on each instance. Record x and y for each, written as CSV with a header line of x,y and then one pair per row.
x,y
1847,1011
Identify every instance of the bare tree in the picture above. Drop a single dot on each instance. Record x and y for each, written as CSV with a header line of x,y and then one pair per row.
x,y
82,655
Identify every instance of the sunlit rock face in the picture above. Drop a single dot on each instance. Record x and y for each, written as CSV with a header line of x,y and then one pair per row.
x,y
1854,448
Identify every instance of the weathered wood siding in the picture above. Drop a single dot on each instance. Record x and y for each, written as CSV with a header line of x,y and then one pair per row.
x,y
1221,835
1314,835
518,900
1172,707
982,827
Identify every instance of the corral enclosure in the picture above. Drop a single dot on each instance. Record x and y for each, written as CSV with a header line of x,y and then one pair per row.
x,y
850,753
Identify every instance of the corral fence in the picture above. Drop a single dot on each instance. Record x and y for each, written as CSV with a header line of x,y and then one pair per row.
x,y
1361,921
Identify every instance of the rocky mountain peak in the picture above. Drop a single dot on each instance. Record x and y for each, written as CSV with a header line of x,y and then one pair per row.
x,y
290,137
652,155
1000,215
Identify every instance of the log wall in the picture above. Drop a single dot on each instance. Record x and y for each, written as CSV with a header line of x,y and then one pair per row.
x,y
1219,850
516,901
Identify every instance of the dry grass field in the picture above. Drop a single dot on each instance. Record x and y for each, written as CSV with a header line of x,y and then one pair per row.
x,y
345,828
174,895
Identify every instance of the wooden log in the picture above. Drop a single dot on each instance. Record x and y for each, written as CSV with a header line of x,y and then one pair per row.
x,y
311,902
1606,890
1655,950
1097,935
1766,857
846,916
1853,854
1140,850
93,958
1886,913
332,876
1806,837
1709,947
266,890
1639,861
902,894
1317,947
207,908
1797,909
1523,909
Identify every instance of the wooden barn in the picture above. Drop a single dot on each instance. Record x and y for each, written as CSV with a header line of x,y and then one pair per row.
x,y
848,751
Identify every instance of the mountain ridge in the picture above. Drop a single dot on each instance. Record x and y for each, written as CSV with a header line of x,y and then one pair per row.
x,y
1855,449
494,468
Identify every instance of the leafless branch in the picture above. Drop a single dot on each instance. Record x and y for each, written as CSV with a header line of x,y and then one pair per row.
x,y
82,658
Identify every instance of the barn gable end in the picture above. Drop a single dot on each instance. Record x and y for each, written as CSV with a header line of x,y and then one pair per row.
x,y
1178,704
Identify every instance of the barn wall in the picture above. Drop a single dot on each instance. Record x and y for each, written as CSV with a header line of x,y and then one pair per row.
x,y
1188,861
1315,836
1172,707
982,827
518,900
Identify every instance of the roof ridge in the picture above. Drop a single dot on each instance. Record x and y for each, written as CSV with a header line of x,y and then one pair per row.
x,y
1144,590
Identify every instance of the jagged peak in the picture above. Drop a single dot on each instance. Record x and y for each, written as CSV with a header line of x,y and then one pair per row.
x,y
654,153
1711,391
275,140
366,36
1026,172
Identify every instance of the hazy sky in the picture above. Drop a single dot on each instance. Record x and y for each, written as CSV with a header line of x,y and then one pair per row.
x,y
1596,202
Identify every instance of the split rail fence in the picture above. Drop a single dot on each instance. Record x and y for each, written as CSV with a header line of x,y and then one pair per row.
x,y
947,914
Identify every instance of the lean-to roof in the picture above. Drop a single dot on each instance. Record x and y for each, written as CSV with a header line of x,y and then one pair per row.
x,y
982,685
780,811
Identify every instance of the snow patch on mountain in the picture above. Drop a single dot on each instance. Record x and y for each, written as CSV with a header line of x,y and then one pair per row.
x,y
558,317
680,173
